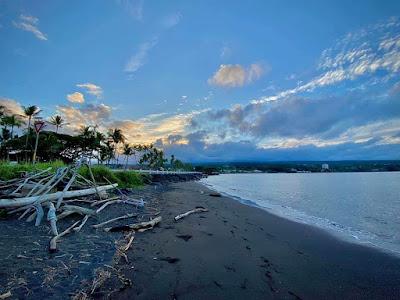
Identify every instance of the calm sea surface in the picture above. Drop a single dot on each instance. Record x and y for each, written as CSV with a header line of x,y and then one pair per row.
x,y
360,207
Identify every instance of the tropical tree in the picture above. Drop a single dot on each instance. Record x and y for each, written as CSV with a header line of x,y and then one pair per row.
x,y
57,121
127,151
11,121
116,137
153,157
29,112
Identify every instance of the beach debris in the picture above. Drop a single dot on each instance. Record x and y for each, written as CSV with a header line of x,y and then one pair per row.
x,y
53,241
114,219
45,192
198,209
6,295
137,226
101,277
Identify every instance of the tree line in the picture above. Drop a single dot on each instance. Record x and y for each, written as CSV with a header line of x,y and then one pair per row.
x,y
110,148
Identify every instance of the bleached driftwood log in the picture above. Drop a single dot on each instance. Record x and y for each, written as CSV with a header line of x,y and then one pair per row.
x,y
53,241
52,218
133,202
196,210
136,226
79,209
25,183
7,203
113,220
66,188
39,214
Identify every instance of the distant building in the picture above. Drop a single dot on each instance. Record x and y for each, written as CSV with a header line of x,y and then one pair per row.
x,y
325,168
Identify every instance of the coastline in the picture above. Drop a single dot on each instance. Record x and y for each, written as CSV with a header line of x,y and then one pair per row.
x,y
330,227
236,251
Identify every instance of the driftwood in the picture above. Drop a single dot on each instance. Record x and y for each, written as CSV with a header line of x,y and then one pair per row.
x,y
136,226
5,203
103,201
39,214
25,212
52,218
131,238
119,201
25,183
53,241
79,209
5,295
196,210
77,229
113,220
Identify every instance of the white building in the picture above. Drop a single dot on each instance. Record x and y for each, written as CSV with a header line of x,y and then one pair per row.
x,y
324,168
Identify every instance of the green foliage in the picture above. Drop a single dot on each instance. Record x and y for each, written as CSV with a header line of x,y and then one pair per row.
x,y
10,171
152,156
125,179
129,178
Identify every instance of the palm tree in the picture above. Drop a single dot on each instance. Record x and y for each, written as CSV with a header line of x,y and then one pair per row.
x,y
57,121
12,121
117,137
30,112
127,151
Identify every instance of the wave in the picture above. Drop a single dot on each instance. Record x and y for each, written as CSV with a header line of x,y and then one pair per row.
x,y
338,230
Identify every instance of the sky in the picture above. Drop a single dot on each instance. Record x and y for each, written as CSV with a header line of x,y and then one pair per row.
x,y
213,80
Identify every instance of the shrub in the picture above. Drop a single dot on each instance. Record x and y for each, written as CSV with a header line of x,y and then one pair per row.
x,y
129,178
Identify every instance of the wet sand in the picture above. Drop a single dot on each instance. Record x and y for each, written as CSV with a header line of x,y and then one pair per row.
x,y
236,251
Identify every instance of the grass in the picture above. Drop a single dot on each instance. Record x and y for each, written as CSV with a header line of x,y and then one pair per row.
x,y
125,179
10,171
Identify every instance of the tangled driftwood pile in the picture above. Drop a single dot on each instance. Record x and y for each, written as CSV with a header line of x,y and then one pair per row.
x,y
62,193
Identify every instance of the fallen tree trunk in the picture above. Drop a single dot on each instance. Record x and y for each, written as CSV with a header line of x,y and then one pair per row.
x,y
196,210
136,226
6,203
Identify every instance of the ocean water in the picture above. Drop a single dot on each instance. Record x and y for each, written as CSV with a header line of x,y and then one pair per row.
x,y
358,207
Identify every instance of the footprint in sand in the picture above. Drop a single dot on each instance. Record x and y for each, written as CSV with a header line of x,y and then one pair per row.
x,y
184,237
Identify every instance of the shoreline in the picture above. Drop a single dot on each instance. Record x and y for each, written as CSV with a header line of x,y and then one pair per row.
x,y
236,251
347,235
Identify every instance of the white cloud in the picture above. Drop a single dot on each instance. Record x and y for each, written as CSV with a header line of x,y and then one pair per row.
x,y
29,23
76,97
11,106
90,114
358,54
92,89
236,75
172,20
133,7
139,58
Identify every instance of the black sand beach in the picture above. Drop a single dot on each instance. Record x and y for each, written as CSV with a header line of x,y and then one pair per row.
x,y
236,251
233,251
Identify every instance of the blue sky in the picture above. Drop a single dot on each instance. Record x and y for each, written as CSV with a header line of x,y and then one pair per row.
x,y
213,80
